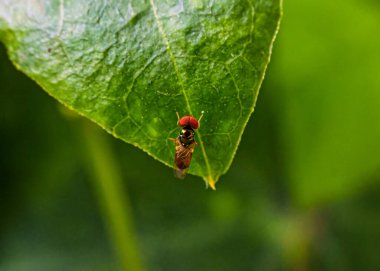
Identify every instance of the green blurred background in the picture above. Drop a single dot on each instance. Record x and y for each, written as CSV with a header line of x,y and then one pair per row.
x,y
303,192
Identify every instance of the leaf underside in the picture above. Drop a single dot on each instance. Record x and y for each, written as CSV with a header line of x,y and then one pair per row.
x,y
130,65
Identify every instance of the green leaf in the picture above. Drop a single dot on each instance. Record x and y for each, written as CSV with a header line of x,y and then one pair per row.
x,y
130,65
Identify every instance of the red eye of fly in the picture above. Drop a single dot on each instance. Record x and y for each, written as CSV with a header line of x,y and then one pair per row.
x,y
189,121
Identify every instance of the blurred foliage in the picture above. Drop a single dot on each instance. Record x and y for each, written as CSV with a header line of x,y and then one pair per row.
x,y
302,194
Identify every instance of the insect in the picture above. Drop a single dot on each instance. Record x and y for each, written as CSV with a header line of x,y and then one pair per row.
x,y
185,144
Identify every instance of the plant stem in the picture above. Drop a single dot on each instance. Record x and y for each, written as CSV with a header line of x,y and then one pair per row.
x,y
114,201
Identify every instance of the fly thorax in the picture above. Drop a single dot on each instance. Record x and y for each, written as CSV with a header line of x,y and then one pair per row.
x,y
186,136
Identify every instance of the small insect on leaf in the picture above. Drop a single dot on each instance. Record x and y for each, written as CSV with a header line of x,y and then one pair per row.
x,y
185,144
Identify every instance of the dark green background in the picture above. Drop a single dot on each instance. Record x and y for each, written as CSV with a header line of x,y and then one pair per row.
x,y
303,192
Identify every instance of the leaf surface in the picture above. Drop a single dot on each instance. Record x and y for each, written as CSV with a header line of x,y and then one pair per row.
x,y
130,65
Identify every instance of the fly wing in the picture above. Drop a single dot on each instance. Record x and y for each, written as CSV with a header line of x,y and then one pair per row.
x,y
182,159
181,166
180,173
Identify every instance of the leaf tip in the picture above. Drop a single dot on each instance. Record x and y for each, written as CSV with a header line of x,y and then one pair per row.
x,y
210,182
212,185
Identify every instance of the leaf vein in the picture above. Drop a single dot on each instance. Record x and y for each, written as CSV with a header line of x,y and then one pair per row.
x,y
237,97
172,57
61,17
